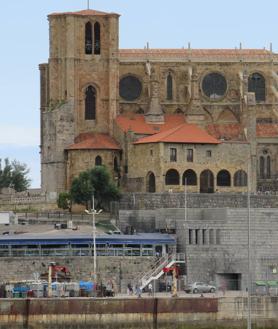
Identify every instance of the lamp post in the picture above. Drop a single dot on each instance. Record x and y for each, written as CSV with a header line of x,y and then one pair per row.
x,y
94,212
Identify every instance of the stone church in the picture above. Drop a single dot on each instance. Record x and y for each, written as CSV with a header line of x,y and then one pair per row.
x,y
158,119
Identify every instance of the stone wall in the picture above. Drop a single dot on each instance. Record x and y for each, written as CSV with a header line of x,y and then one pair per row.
x,y
137,201
151,313
121,270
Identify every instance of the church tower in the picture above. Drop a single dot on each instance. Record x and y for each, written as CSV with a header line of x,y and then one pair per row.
x,y
79,86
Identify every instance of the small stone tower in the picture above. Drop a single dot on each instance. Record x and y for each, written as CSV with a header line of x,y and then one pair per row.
x,y
79,86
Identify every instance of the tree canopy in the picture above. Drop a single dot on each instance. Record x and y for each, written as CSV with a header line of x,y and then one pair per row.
x,y
97,182
14,174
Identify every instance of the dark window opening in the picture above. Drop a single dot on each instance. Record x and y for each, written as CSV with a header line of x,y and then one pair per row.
x,y
126,169
262,167
173,154
98,161
223,178
169,87
88,39
189,156
97,38
256,84
208,153
151,182
189,177
116,165
206,182
240,178
90,103
204,236
197,236
190,236
268,167
172,177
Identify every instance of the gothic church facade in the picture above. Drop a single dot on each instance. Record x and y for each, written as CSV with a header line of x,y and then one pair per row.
x,y
157,118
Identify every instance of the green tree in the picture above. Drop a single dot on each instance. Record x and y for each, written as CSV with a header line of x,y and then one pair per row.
x,y
81,188
96,181
64,200
14,174
105,189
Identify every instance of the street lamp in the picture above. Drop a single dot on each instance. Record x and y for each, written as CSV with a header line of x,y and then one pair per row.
x,y
94,212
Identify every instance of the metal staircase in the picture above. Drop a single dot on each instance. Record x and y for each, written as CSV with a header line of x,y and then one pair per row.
x,y
157,269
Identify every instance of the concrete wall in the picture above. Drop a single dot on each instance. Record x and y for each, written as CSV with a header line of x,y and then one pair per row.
x,y
215,240
136,313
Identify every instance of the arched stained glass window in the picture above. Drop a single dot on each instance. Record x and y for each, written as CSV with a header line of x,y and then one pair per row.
x,y
90,103
97,38
268,167
262,165
256,84
169,87
240,178
88,39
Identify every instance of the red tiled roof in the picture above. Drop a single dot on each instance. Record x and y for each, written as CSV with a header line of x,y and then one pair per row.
x,y
193,53
94,141
184,133
88,12
267,130
137,123
230,131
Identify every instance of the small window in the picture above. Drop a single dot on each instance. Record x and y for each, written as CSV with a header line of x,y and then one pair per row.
x,y
98,161
173,154
204,236
208,153
88,39
268,167
197,236
151,153
169,87
211,236
97,38
90,103
190,236
189,156
256,84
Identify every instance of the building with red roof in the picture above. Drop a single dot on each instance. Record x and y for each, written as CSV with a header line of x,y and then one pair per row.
x,y
157,118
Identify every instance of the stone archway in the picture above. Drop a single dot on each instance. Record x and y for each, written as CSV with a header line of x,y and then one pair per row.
x,y
151,183
206,182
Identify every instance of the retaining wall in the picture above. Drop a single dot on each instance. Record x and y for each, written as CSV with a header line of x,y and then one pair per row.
x,y
152,313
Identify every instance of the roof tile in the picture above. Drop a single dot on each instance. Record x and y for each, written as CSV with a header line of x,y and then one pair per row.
x,y
184,133
94,141
137,123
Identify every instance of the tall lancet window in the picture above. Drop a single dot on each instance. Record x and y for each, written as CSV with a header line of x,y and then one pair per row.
x,y
90,103
88,39
169,87
97,38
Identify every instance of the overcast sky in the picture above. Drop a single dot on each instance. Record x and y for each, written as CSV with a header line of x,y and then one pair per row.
x,y
164,24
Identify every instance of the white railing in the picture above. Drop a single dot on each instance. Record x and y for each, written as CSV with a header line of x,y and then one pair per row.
x,y
157,269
